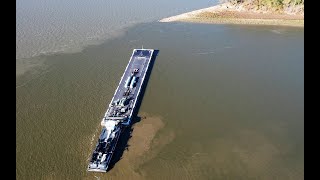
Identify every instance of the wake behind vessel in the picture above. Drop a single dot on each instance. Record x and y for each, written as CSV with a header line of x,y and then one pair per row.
x,y
121,109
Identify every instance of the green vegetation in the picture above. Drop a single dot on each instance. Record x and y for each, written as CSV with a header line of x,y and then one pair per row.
x,y
269,4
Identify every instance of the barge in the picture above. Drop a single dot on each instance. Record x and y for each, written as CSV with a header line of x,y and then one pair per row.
x,y
121,109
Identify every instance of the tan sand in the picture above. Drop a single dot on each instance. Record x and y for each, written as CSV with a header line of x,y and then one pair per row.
x,y
228,13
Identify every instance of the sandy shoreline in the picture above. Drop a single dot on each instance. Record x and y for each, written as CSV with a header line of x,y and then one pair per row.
x,y
237,14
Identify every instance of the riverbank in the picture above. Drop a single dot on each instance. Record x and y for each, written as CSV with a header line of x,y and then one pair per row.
x,y
228,13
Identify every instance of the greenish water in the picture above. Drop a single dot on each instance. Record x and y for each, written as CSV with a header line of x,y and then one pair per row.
x,y
222,102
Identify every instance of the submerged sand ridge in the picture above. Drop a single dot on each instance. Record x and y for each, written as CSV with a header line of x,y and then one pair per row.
x,y
228,13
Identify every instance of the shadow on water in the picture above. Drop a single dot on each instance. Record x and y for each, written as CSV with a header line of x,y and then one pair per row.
x,y
126,133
